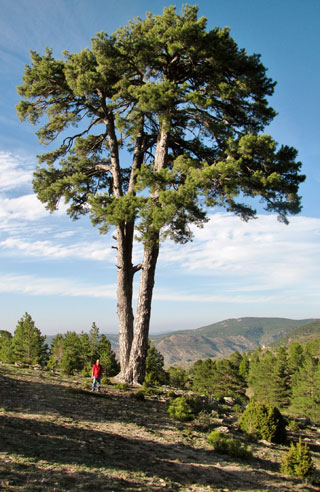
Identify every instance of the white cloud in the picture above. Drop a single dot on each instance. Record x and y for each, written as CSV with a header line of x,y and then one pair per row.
x,y
262,253
15,171
26,208
34,285
98,251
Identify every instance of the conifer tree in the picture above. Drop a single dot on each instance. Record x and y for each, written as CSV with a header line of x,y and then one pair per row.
x,y
218,378
56,352
72,359
295,358
94,342
28,345
279,381
107,357
244,367
306,389
6,346
190,107
155,373
261,369
202,374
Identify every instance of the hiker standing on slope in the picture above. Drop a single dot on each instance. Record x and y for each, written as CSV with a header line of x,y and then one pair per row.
x,y
96,375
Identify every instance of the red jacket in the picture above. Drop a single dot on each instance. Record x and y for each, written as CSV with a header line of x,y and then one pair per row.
x,y
96,371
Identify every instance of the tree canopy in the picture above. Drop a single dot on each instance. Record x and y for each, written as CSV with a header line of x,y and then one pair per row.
x,y
152,127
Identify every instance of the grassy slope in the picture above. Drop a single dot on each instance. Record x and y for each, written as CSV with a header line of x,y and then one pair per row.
x,y
56,436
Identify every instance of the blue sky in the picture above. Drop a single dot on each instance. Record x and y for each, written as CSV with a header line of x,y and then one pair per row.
x,y
63,272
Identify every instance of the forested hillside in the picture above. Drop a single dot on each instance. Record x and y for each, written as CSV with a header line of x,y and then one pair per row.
x,y
223,338
301,334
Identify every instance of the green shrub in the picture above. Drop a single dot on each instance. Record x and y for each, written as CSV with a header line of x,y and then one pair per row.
x,y
105,380
185,407
228,445
263,421
180,409
298,462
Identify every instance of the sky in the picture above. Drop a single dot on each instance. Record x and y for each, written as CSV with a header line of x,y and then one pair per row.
x,y
63,272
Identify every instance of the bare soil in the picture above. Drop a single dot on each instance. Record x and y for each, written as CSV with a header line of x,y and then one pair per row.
x,y
56,435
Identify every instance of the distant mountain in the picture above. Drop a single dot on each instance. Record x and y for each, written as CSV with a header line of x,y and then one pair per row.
x,y
221,339
301,334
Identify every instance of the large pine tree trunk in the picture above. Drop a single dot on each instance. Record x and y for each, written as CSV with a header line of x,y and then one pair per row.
x,y
135,371
124,292
133,368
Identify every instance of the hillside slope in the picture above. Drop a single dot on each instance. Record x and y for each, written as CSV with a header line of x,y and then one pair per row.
x,y
301,334
222,338
57,436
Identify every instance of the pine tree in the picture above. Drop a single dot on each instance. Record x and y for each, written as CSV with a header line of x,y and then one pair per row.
x,y
306,389
244,367
56,352
28,345
107,357
295,358
190,108
202,375
155,373
219,378
72,359
261,369
6,346
94,342
280,380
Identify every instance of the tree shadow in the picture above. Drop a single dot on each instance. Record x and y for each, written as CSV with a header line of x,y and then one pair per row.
x,y
45,422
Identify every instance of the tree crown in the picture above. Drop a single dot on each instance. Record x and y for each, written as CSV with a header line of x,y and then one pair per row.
x,y
186,105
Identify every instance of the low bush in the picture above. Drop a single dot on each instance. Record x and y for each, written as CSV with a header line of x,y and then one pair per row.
x,y
297,462
180,409
228,445
185,407
263,421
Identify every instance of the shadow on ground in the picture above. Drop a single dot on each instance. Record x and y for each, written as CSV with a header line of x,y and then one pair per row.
x,y
63,442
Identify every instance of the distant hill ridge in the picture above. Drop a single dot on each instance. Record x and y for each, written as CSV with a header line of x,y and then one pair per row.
x,y
219,340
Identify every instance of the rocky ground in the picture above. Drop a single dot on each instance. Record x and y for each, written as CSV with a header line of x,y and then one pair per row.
x,y
55,435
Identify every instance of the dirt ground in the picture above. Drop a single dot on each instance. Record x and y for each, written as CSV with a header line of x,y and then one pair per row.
x,y
57,436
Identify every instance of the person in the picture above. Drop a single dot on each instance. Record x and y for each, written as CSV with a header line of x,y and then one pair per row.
x,y
96,375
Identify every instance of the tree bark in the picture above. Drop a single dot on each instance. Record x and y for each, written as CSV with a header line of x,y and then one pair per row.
x,y
135,371
126,270
124,292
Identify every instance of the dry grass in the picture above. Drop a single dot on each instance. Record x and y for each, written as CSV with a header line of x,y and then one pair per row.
x,y
57,436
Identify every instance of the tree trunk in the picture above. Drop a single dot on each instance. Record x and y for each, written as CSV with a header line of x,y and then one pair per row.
x,y
124,292
133,368
135,371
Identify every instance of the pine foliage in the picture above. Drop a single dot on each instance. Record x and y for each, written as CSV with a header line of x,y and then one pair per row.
x,y
28,345
298,461
263,421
